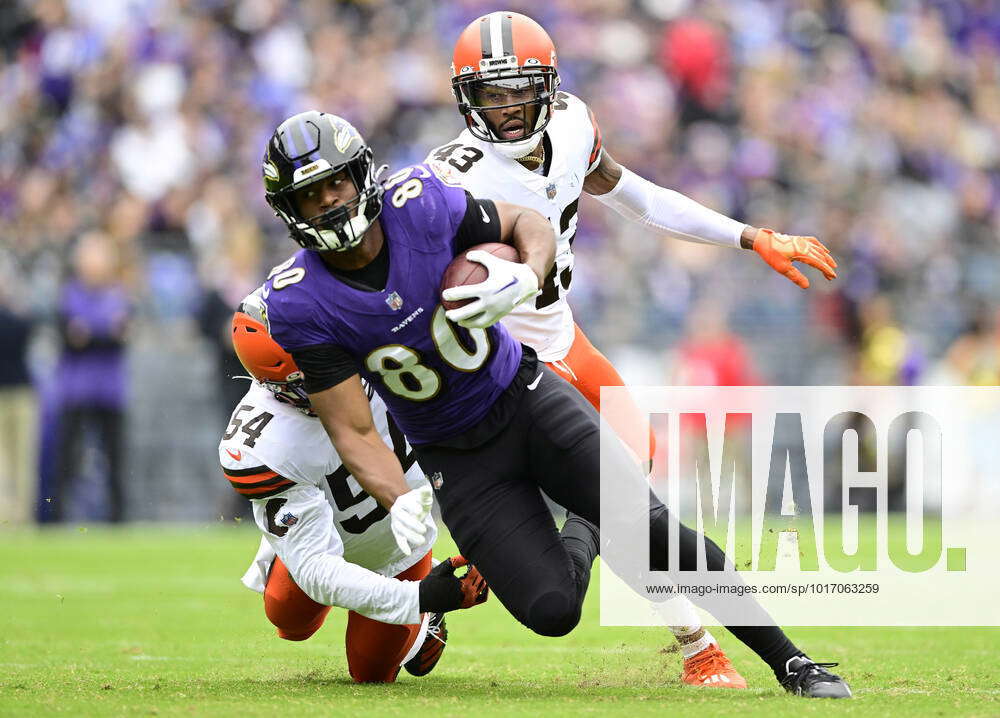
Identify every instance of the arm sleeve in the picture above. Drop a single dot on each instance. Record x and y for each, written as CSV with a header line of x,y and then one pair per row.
x,y
670,212
301,532
324,366
481,224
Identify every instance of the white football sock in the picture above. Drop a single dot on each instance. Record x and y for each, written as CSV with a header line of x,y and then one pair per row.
x,y
692,636
418,642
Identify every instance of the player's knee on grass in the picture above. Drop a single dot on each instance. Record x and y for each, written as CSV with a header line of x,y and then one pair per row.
x,y
292,627
377,674
554,614
375,649
293,613
374,663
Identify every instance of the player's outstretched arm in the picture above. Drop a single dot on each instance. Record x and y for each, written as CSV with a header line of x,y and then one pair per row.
x,y
672,213
298,525
347,418
681,217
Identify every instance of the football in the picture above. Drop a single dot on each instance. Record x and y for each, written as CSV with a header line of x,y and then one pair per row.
x,y
462,272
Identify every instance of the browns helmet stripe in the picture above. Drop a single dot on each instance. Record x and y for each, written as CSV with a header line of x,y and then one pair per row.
x,y
484,37
496,44
506,35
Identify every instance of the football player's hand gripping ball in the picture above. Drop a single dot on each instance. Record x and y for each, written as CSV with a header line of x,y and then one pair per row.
x,y
407,518
508,284
441,590
780,250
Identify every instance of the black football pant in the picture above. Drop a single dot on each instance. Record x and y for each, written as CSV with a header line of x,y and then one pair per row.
x,y
491,501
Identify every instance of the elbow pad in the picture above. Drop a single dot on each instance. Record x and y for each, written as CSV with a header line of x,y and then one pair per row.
x,y
670,212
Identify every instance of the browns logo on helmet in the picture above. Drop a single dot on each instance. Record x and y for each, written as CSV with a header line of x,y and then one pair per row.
x,y
504,76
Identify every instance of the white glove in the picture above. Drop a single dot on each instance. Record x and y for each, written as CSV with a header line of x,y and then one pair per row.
x,y
408,518
508,284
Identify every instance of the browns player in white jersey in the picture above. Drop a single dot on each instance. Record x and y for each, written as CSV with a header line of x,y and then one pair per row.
x,y
527,143
325,541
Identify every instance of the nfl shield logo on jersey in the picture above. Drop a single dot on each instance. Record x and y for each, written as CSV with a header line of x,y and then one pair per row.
x,y
394,301
437,481
550,190
289,519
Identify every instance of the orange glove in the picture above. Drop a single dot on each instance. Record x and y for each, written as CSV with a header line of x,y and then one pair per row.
x,y
780,250
474,588
441,590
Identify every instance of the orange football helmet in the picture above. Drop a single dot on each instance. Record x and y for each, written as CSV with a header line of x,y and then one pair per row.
x,y
263,357
511,51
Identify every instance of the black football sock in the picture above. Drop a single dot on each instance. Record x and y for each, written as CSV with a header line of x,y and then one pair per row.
x,y
770,643
583,542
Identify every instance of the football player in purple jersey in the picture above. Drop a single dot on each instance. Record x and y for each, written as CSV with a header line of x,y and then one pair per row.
x,y
491,426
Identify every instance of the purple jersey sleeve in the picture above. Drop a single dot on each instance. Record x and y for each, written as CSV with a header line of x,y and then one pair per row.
x,y
292,317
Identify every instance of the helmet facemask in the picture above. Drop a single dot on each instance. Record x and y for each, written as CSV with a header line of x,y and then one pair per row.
x,y
472,91
291,392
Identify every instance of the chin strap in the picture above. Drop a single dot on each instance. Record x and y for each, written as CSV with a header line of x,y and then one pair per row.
x,y
514,150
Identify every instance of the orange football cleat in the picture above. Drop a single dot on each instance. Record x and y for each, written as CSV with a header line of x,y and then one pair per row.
x,y
713,669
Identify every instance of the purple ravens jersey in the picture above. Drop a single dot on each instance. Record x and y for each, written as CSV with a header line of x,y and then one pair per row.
x,y
437,379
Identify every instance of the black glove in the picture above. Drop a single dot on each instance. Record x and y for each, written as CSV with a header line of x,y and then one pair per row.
x,y
441,590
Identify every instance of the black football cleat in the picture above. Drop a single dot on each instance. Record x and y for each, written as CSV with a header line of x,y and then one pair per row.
x,y
810,679
430,652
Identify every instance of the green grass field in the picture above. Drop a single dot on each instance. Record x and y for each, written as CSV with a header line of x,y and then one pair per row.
x,y
153,621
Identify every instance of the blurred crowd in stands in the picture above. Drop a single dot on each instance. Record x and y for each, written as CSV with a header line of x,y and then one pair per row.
x,y
132,217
